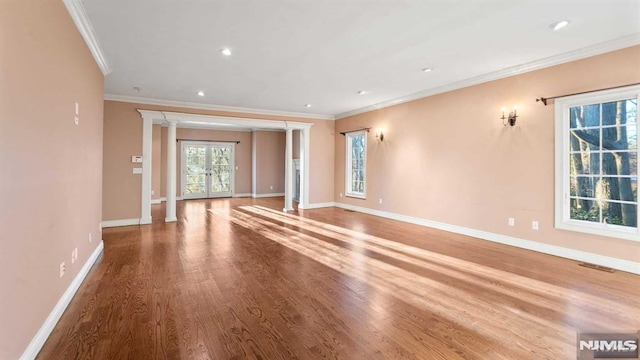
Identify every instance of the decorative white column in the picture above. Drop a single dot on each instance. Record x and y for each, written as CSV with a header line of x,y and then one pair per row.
x,y
304,168
254,163
288,168
145,206
171,172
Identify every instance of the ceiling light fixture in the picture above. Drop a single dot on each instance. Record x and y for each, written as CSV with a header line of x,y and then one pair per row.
x,y
307,105
225,51
361,92
559,25
427,69
200,93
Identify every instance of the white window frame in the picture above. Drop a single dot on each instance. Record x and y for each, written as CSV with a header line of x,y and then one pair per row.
x,y
562,164
348,192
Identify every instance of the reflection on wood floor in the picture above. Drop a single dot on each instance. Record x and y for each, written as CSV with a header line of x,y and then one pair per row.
x,y
238,279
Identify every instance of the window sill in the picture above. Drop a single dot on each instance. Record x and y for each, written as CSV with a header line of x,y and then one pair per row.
x,y
613,231
356,196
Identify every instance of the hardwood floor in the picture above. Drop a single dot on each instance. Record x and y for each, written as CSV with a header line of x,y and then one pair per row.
x,y
237,279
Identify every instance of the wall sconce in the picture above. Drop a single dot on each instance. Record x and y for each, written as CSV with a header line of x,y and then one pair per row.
x,y
511,119
380,135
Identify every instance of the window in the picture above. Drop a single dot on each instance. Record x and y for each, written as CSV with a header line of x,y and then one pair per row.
x,y
597,163
356,163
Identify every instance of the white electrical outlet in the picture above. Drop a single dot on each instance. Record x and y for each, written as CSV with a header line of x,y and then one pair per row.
x,y
75,253
380,201
271,187
89,238
512,222
63,269
340,194
535,225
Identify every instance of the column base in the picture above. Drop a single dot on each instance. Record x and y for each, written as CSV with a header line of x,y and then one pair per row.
x,y
173,219
287,210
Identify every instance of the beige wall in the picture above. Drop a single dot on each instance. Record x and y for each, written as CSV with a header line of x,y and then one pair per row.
x,y
321,162
242,176
270,148
296,144
51,178
448,158
157,166
121,189
123,123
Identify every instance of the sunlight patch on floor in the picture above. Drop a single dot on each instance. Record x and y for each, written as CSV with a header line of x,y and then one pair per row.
x,y
471,312
535,291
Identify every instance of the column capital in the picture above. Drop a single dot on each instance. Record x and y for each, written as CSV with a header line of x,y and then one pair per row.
x,y
172,123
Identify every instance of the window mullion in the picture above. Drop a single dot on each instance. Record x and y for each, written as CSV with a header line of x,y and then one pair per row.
x,y
601,158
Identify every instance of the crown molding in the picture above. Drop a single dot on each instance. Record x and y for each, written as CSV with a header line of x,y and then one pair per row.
x,y
198,106
80,18
578,54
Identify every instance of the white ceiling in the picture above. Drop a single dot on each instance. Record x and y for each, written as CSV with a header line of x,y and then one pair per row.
x,y
287,53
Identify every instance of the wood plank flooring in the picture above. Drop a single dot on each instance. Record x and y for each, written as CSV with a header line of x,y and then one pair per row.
x,y
237,279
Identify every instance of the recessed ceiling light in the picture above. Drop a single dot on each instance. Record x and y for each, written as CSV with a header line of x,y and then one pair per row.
x,y
361,92
307,105
427,69
200,93
559,25
225,52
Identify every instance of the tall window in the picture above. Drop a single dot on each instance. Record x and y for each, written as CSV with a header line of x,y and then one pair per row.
x,y
356,163
597,163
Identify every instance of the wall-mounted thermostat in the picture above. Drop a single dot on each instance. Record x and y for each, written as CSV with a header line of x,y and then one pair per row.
x,y
136,159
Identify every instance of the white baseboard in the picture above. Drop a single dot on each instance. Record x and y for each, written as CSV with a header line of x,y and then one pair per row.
x,y
41,336
164,199
123,222
619,264
242,195
316,206
156,201
267,195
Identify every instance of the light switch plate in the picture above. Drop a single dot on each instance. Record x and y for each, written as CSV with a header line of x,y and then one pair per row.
x,y
137,170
